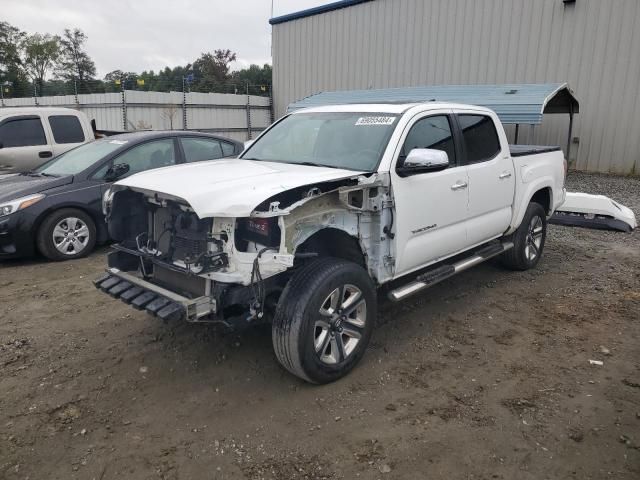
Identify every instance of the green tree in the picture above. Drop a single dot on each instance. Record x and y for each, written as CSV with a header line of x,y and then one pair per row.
x,y
74,62
12,77
41,53
10,40
258,78
211,70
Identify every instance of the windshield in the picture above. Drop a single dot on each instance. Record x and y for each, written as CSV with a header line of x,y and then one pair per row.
x,y
353,141
82,157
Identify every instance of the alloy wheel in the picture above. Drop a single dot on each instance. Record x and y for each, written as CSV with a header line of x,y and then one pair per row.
x,y
340,325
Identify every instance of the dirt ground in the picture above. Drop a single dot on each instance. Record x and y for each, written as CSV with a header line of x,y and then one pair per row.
x,y
486,376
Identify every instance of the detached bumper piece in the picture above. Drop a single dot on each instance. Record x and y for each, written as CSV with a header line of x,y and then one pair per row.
x,y
594,211
144,295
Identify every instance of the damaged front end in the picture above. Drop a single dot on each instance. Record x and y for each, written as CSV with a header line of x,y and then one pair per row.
x,y
176,265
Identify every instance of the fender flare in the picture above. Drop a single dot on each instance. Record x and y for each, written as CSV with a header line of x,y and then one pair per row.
x,y
530,189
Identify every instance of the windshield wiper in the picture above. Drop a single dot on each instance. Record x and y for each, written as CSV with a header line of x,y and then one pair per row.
x,y
313,164
33,173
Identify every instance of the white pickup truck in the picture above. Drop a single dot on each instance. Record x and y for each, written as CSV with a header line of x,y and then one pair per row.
x,y
325,207
31,136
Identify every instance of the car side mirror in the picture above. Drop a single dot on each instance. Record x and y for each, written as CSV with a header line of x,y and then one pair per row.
x,y
422,160
116,171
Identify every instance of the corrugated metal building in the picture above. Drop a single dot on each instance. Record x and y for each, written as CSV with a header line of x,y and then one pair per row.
x,y
594,45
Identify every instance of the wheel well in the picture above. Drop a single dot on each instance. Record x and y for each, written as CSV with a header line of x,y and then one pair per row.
x,y
331,242
47,213
543,197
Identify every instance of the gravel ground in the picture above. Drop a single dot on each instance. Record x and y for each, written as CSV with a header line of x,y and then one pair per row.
x,y
485,376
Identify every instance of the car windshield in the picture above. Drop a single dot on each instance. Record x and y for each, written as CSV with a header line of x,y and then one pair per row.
x,y
76,160
353,141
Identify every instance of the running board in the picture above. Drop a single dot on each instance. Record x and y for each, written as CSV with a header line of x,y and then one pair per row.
x,y
438,274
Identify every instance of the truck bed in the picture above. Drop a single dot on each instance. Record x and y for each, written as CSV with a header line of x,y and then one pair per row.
x,y
522,150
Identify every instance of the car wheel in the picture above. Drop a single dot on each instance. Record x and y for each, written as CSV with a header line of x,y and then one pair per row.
x,y
528,240
66,234
324,320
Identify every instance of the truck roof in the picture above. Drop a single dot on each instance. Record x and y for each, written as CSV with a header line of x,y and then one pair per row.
x,y
394,108
31,109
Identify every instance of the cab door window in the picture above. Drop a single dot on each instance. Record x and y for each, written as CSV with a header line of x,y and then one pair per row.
x,y
22,132
430,132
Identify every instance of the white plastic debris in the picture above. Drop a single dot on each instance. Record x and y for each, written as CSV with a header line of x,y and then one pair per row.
x,y
596,362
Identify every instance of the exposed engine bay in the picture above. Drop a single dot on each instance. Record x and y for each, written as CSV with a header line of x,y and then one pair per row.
x,y
231,265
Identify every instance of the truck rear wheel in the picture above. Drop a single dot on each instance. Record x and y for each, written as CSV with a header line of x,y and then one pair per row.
x,y
528,240
324,320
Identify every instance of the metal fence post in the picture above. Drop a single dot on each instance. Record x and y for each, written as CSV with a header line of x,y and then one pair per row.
x,y
75,92
184,104
271,112
124,105
248,113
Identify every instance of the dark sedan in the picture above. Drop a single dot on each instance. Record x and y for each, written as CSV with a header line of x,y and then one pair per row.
x,y
57,209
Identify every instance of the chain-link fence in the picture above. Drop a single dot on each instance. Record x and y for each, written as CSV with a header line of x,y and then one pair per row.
x,y
236,110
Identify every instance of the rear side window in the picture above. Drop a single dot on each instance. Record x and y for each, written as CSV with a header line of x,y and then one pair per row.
x,y
480,137
198,149
228,149
22,132
66,129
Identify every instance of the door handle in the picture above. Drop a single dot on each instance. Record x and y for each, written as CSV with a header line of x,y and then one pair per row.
x,y
504,175
45,154
459,185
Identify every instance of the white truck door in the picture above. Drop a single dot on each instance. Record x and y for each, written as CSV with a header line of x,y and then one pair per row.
x,y
67,132
430,207
491,177
23,143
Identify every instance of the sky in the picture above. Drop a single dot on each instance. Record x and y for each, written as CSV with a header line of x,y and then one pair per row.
x,y
137,35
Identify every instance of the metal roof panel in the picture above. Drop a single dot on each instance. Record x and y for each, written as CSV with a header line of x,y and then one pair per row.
x,y
514,103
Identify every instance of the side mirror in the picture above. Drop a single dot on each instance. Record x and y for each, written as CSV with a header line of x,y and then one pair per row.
x,y
422,160
116,171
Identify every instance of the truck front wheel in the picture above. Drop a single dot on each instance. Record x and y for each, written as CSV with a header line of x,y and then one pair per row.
x,y
324,320
528,240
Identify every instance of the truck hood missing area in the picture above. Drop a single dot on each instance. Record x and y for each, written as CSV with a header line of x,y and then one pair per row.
x,y
230,188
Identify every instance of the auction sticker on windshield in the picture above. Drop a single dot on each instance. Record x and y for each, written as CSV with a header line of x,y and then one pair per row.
x,y
375,120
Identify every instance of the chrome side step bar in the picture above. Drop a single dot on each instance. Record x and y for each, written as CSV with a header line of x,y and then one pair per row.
x,y
443,272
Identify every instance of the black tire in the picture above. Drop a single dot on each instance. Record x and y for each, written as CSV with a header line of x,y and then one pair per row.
x,y
302,325
527,243
81,241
